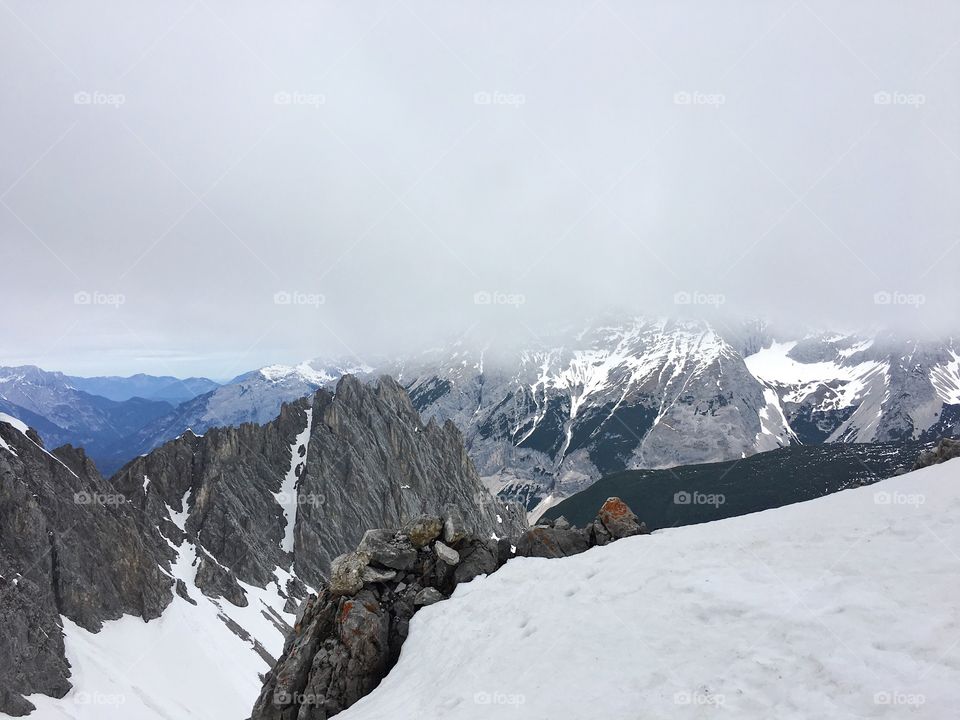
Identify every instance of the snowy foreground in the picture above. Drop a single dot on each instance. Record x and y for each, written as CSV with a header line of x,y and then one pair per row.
x,y
842,607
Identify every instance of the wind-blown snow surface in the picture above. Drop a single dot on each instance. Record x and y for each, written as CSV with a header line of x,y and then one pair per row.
x,y
842,607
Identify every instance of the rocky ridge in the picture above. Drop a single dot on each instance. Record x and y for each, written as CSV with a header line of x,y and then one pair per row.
x,y
348,635
217,518
946,449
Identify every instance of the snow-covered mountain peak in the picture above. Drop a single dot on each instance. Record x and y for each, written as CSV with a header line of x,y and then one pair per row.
x,y
302,372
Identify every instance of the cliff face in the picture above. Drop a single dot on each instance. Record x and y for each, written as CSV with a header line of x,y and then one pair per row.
x,y
69,545
303,488
371,463
239,508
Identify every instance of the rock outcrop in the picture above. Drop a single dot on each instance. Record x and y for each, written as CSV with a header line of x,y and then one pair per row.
x,y
349,634
946,449
557,538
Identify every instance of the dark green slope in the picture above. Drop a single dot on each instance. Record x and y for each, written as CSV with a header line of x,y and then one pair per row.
x,y
691,494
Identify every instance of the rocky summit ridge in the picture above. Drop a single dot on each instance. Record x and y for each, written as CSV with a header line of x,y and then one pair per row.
x,y
216,518
348,635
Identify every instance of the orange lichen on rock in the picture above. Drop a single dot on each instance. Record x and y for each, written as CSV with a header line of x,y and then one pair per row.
x,y
615,508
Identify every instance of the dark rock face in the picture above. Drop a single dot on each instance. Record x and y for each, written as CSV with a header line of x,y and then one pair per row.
x,y
229,479
369,442
947,449
477,557
69,545
215,581
31,645
367,462
347,638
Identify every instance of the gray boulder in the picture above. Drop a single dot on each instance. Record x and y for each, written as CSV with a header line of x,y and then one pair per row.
x,y
477,557
357,639
346,573
181,590
386,548
546,542
424,530
31,646
598,533
947,449
446,553
454,526
505,550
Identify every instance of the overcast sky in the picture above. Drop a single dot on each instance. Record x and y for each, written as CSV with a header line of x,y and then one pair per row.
x,y
203,186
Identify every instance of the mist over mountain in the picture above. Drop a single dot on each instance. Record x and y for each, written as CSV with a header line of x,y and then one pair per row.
x,y
311,193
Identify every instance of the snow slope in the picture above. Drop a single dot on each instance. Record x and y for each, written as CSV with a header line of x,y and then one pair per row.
x,y
186,665
851,388
842,607
849,382
288,497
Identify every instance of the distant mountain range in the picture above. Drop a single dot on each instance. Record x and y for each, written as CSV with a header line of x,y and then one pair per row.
x,y
53,404
543,423
150,387
546,420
